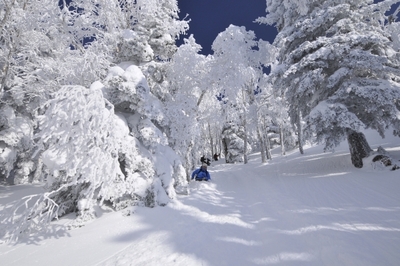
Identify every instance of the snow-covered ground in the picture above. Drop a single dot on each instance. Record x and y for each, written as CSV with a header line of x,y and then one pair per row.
x,y
311,209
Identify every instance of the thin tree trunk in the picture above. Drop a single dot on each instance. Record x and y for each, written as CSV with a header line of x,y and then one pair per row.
x,y
300,133
225,149
268,147
262,145
245,128
211,139
190,161
245,145
219,143
201,97
283,151
266,141
5,72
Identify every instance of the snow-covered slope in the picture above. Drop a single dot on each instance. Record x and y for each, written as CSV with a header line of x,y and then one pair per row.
x,y
311,209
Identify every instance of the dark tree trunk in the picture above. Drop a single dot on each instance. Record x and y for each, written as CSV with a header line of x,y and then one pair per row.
x,y
225,149
300,133
359,147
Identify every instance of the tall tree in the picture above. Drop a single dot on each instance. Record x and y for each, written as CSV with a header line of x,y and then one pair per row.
x,y
186,101
101,144
336,66
236,70
394,28
34,60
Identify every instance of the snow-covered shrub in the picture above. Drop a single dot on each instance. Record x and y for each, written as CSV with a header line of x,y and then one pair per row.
x,y
233,143
15,145
79,142
8,156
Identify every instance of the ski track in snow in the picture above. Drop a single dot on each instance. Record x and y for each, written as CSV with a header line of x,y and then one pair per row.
x,y
314,209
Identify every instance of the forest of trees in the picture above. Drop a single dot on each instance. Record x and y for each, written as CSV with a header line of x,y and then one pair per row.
x,y
99,103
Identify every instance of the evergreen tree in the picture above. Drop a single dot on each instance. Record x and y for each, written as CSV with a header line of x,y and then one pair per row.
x,y
337,66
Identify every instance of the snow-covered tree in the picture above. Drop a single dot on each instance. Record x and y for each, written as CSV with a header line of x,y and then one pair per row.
x,y
45,31
233,142
236,70
103,143
99,146
31,43
393,28
116,31
337,66
188,102
273,121
158,22
34,60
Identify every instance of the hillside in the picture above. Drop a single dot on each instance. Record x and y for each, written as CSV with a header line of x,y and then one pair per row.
x,y
311,209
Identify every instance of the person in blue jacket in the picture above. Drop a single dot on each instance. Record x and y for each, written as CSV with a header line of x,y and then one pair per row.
x,y
201,174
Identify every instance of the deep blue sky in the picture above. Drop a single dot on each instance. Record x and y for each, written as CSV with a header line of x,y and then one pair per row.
x,y
210,17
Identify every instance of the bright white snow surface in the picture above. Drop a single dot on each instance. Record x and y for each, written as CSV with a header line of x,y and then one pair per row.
x,y
311,209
